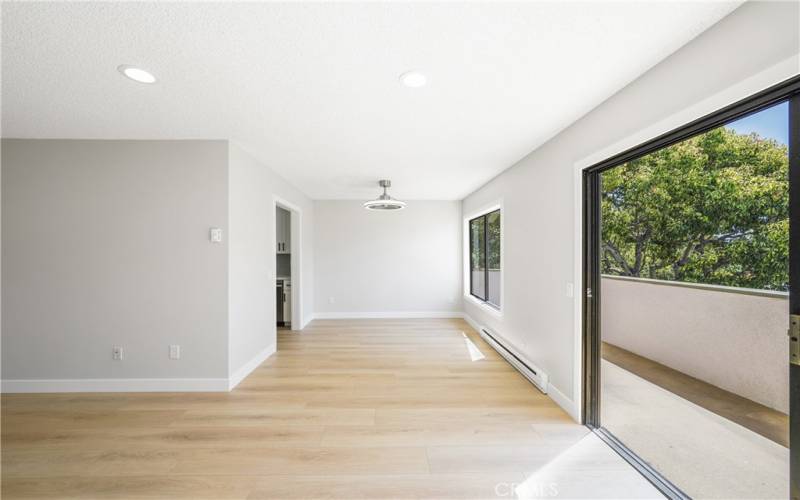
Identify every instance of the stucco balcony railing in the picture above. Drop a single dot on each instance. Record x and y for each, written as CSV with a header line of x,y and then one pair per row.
x,y
732,338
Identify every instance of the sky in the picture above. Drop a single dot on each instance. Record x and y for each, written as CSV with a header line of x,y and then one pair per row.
x,y
772,123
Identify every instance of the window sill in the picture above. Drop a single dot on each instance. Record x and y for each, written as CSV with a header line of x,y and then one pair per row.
x,y
484,306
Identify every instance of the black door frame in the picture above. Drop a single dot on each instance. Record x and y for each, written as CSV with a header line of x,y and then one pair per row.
x,y
794,288
788,90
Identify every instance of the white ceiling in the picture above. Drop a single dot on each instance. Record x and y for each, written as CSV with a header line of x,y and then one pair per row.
x,y
312,90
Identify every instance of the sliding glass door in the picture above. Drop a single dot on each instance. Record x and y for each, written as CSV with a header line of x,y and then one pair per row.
x,y
691,249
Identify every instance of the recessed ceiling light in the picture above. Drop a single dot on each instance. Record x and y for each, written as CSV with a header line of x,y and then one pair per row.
x,y
136,74
413,79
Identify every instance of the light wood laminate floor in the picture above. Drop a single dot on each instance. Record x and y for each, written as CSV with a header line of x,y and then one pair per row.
x,y
344,409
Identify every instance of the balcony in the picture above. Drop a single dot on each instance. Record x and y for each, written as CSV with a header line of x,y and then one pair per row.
x,y
696,381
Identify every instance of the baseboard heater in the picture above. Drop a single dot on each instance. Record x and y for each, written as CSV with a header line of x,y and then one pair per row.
x,y
533,374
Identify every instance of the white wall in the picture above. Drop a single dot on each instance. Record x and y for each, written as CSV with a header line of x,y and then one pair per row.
x,y
730,339
106,243
758,40
253,189
395,263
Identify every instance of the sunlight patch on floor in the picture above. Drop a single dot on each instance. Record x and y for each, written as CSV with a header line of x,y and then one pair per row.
x,y
475,354
587,469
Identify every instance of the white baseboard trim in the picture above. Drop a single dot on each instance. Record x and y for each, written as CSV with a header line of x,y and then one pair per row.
x,y
116,385
474,324
564,402
137,384
248,367
553,392
388,315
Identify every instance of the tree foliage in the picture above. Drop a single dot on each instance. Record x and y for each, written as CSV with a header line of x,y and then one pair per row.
x,y
493,240
490,223
711,209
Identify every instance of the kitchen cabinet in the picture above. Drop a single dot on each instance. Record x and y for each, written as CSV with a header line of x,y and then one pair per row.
x,y
283,230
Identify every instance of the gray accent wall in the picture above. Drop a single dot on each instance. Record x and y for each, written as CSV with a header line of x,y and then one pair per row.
x,y
105,243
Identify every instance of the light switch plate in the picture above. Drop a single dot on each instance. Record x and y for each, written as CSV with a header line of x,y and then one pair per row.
x,y
215,234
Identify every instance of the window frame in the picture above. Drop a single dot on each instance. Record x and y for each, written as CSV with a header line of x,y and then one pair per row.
x,y
485,259
484,304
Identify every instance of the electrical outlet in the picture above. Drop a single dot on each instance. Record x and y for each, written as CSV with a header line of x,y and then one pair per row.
x,y
331,300
174,352
570,290
116,353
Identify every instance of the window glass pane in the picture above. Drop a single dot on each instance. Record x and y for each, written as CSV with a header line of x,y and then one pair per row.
x,y
477,258
493,256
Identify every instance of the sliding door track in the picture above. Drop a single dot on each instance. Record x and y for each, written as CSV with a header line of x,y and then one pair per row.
x,y
667,488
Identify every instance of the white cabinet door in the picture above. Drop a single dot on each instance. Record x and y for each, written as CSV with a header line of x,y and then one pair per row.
x,y
282,230
287,232
278,230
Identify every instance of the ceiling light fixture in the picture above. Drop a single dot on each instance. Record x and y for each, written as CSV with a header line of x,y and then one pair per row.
x,y
384,201
136,74
413,79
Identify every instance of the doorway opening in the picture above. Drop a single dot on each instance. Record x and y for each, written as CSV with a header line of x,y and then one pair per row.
x,y
288,265
690,250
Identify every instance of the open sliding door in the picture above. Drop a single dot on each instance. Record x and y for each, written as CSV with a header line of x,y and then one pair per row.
x,y
702,226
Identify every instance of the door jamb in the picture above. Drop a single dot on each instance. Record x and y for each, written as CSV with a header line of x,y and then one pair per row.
x,y
295,244
794,289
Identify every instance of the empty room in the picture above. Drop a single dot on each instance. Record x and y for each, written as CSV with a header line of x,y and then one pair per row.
x,y
400,250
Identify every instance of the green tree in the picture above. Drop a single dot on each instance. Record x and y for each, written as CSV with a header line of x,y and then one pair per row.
x,y
711,209
491,224
493,241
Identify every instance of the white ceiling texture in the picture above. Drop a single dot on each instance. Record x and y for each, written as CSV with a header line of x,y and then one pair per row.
x,y
312,89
